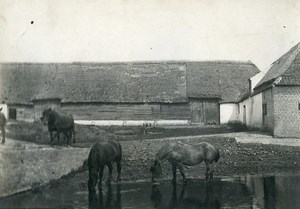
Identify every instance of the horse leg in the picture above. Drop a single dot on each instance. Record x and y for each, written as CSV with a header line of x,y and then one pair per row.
x,y
73,131
51,137
110,169
3,135
93,178
100,177
69,137
209,171
119,170
180,166
58,136
174,168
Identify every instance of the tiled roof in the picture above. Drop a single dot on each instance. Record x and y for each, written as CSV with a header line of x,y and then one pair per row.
x,y
131,82
221,79
284,71
92,82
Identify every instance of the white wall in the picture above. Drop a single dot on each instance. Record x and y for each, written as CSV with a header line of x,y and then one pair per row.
x,y
253,106
228,112
253,111
133,122
4,110
255,79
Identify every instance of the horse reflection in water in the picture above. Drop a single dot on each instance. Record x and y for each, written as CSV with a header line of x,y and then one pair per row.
x,y
156,195
180,155
98,202
184,201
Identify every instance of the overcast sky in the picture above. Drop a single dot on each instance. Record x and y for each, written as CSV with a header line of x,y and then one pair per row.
x,y
90,30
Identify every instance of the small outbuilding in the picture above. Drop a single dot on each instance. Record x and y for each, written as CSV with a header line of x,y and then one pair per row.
x,y
280,90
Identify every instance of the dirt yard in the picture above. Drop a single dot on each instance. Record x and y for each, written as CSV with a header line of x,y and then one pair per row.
x,y
140,146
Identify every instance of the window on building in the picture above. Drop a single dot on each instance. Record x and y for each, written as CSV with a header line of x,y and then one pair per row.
x,y
12,113
299,106
264,109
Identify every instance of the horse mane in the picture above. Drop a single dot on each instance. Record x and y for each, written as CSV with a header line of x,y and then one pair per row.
x,y
52,114
163,152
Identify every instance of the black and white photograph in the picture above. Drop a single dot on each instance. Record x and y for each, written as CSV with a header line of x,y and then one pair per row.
x,y
149,104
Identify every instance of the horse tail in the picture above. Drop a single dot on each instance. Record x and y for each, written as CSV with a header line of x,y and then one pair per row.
x,y
120,151
218,156
72,128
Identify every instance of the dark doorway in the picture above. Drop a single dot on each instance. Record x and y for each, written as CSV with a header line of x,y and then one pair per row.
x,y
244,114
12,113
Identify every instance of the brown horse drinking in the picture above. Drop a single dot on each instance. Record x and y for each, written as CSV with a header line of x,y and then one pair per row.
x,y
2,125
103,154
180,155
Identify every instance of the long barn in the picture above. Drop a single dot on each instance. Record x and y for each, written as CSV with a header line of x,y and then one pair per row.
x,y
126,92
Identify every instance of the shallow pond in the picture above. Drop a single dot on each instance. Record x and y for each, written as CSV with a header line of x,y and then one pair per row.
x,y
239,192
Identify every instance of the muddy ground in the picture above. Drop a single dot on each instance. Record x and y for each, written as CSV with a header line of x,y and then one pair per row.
x,y
141,144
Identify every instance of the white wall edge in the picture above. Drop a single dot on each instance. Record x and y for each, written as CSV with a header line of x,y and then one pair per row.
x,y
133,122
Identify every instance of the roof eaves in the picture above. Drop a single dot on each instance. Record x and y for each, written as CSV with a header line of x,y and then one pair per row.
x,y
20,104
211,96
43,99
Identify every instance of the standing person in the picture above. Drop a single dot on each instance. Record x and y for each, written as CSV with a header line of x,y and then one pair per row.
x,y
2,125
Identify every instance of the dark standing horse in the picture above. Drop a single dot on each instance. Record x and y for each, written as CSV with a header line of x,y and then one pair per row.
x,y
2,125
103,154
180,155
60,124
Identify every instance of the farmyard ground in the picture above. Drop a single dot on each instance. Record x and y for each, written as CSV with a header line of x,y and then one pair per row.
x,y
140,147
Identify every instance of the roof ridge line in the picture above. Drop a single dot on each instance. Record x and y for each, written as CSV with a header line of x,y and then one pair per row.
x,y
298,48
138,61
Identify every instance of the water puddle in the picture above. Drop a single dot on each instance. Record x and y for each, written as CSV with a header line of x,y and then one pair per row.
x,y
240,192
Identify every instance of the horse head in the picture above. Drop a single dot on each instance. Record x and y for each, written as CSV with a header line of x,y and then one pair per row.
x,y
46,116
156,170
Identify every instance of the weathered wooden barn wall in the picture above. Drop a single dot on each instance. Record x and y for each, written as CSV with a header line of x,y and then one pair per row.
x,y
205,111
20,112
115,111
